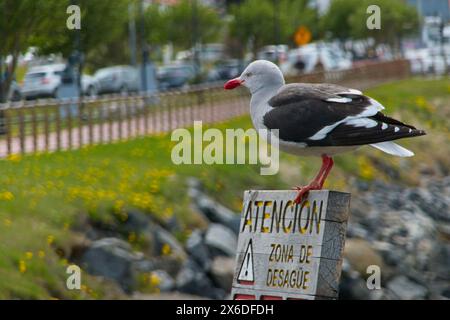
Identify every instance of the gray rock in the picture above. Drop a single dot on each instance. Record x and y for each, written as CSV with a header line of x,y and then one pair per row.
x,y
136,222
166,244
112,258
352,286
198,250
165,282
432,203
355,230
221,240
217,213
191,279
211,209
405,289
222,271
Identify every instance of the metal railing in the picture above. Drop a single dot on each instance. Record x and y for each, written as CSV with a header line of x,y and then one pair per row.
x,y
52,125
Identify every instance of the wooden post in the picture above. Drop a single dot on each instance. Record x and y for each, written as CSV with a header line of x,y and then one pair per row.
x,y
101,116
58,126
289,251
110,122
8,129
69,126
46,128
129,117
22,130
90,118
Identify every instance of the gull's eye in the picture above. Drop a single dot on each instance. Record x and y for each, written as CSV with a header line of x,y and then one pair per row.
x,y
248,74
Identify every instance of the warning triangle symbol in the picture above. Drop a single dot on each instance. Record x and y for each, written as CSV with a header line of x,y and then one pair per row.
x,y
246,273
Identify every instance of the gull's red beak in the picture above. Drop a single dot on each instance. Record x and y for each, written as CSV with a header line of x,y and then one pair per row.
x,y
233,83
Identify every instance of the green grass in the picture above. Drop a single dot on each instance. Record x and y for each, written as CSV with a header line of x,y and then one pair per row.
x,y
45,198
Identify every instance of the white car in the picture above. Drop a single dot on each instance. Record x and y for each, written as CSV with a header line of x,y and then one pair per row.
x,y
44,81
89,85
309,57
428,60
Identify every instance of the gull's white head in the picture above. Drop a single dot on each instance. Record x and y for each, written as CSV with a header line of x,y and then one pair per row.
x,y
258,75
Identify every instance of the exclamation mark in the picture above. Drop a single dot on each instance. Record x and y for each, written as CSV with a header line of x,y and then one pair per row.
x,y
248,262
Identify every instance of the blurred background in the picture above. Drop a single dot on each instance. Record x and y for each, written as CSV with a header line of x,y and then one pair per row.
x,y
85,121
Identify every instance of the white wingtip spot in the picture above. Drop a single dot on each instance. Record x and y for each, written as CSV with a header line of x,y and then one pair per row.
x,y
384,126
361,122
396,129
339,100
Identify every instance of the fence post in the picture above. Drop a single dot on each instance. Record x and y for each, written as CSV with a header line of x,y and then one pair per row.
x,y
21,131
34,129
58,126
110,123
69,125
8,129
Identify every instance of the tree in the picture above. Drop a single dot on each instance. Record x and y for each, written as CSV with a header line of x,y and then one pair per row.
x,y
398,19
103,27
261,22
189,22
336,22
156,24
19,20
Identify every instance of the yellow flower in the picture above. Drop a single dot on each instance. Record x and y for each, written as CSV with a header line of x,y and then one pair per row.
x,y
7,222
118,205
29,255
15,157
22,266
6,195
166,249
365,168
50,239
41,254
154,280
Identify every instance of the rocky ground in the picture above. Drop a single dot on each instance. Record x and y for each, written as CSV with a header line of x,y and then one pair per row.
x,y
406,232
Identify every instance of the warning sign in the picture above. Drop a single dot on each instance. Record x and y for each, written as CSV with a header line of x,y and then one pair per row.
x,y
302,36
288,250
246,273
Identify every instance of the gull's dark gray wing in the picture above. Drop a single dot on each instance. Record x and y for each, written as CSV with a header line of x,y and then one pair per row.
x,y
331,115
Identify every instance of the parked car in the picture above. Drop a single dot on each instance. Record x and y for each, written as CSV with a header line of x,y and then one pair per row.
x,y
117,79
15,93
273,53
209,52
315,56
428,60
174,76
226,70
43,81
89,85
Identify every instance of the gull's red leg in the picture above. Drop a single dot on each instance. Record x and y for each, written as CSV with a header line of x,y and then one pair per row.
x,y
319,180
326,172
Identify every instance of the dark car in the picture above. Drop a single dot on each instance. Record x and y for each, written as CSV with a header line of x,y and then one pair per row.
x,y
117,79
174,76
226,70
